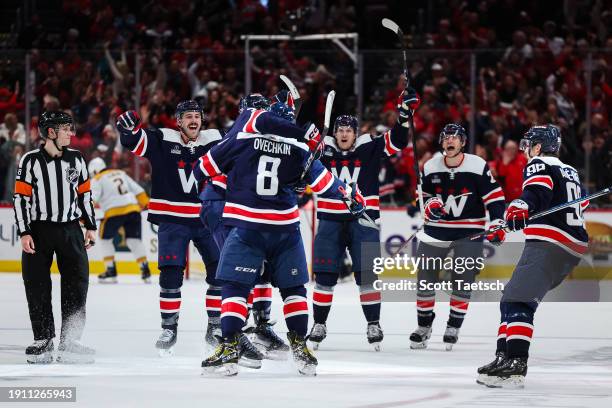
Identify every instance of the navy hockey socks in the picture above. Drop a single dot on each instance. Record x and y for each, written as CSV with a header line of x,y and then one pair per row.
x,y
322,298
458,308
426,300
295,309
262,301
170,282
519,329
213,304
234,310
370,302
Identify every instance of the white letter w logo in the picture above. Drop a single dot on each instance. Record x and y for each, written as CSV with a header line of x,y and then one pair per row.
x,y
188,184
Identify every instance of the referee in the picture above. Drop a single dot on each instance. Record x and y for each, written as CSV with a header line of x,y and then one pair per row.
x,y
52,194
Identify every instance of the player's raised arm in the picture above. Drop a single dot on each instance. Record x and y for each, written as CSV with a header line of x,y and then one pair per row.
x,y
133,137
216,161
397,138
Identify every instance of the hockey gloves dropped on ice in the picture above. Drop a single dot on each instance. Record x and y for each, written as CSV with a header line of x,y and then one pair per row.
x,y
496,235
434,209
516,215
129,121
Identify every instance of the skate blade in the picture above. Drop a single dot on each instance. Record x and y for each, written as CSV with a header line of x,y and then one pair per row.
x,y
249,363
482,379
165,353
108,280
315,344
376,346
512,382
418,345
45,358
449,346
226,370
72,358
307,370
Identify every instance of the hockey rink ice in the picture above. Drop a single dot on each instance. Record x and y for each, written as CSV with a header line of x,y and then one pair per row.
x,y
570,364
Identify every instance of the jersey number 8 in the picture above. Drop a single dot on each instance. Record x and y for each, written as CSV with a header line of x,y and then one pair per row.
x,y
267,175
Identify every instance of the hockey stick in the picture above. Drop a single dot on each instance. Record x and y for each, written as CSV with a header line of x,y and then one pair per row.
x,y
295,94
392,25
329,104
364,218
549,211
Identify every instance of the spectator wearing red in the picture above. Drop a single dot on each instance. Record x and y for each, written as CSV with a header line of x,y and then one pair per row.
x,y
509,170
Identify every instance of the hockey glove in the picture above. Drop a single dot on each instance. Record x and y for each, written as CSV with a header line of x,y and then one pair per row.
x,y
496,236
354,200
516,215
314,140
409,102
129,122
434,209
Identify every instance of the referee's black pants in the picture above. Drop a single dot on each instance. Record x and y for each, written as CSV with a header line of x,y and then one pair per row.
x,y
67,242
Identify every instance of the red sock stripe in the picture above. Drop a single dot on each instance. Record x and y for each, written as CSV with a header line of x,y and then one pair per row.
x,y
426,304
250,299
370,297
234,308
519,330
262,293
212,303
501,332
169,305
459,305
322,297
295,306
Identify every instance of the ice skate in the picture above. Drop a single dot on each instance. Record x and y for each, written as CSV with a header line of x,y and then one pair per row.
x,y
451,335
213,334
145,273
109,276
165,343
249,355
40,352
375,335
483,372
267,341
304,360
317,335
510,374
224,360
420,337
74,352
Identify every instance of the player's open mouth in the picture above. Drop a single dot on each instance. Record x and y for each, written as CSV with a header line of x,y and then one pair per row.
x,y
193,127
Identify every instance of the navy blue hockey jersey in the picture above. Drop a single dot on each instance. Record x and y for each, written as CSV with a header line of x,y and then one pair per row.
x,y
251,121
362,165
260,170
550,182
174,192
467,191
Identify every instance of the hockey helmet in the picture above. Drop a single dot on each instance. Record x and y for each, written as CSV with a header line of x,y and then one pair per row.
x,y
452,129
282,110
548,136
256,101
187,106
96,166
346,120
53,119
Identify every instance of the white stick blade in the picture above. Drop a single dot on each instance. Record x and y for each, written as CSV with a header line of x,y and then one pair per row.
x,y
292,88
329,103
391,25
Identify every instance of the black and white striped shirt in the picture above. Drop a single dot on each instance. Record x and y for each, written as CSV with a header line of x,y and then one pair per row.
x,y
52,189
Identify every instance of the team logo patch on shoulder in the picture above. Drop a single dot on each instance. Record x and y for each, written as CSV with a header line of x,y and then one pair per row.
x,y
176,149
72,175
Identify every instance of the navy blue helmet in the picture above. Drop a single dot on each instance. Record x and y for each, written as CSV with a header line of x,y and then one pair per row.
x,y
257,101
548,136
283,110
53,119
187,106
452,129
346,120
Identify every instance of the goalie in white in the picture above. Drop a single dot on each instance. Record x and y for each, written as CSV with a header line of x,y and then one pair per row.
x,y
121,199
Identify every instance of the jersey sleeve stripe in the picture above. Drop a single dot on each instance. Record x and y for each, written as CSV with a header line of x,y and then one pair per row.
x,y
555,235
208,165
250,127
323,182
141,146
220,181
544,181
23,188
495,195
84,187
390,149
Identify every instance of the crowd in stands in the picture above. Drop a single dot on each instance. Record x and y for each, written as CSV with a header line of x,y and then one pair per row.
x,y
531,69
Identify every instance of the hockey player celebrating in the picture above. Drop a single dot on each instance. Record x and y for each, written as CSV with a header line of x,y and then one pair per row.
x,y
253,117
121,199
459,187
353,159
262,209
174,204
554,245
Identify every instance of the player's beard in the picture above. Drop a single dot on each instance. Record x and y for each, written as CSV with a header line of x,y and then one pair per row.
x,y
190,134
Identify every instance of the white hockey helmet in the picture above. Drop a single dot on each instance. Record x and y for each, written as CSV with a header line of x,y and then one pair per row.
x,y
95,166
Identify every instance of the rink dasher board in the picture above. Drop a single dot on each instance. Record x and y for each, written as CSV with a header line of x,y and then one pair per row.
x,y
396,227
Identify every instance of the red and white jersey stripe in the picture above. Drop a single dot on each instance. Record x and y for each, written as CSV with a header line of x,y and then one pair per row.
x,y
323,182
208,165
548,233
539,180
143,142
477,223
261,216
173,208
330,205
494,195
390,148
250,126
220,181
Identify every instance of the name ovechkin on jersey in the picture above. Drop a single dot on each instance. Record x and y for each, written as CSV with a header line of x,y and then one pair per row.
x,y
174,190
549,182
468,192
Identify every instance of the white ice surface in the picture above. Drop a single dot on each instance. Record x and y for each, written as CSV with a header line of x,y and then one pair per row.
x,y
570,364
